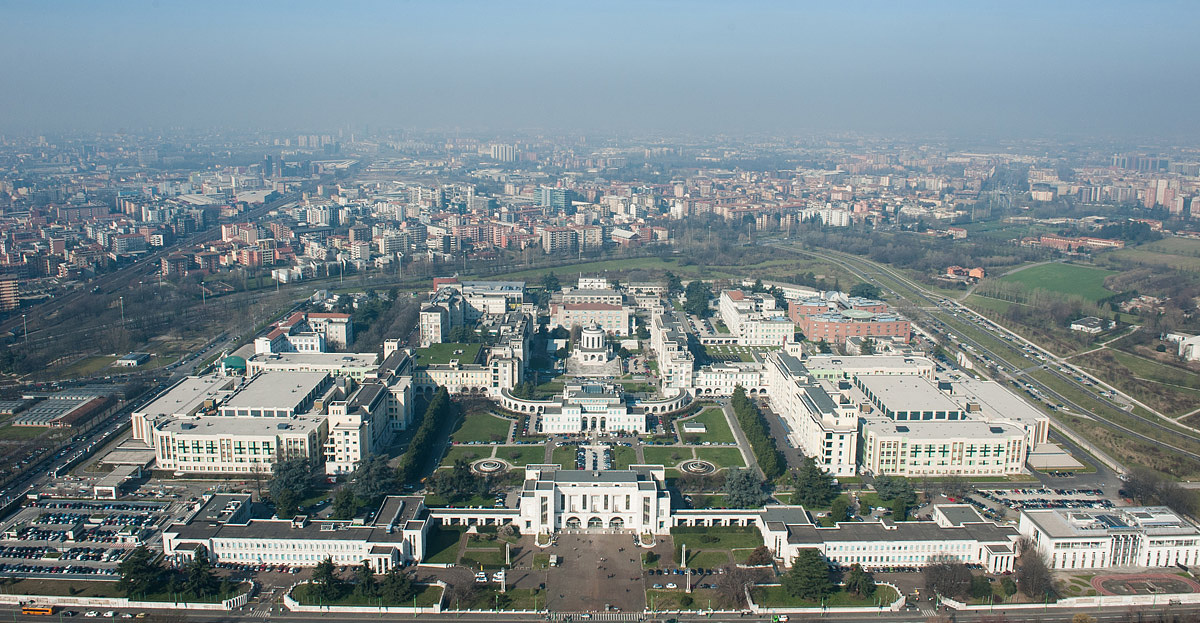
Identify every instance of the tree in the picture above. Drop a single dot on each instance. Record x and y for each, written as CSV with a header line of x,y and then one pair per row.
x,y
809,576
839,510
1033,574
292,476
345,506
1008,587
201,581
731,586
892,487
981,588
365,583
814,487
860,582
327,586
744,489
760,556
550,283
698,295
372,479
899,508
674,285
868,346
459,482
824,347
947,577
397,586
140,572
866,290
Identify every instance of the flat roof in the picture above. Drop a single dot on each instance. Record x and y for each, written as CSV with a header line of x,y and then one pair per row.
x,y
329,360
907,393
1091,522
996,400
859,532
939,429
271,390
215,425
187,396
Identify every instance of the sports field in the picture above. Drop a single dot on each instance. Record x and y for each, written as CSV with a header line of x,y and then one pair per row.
x,y
1071,279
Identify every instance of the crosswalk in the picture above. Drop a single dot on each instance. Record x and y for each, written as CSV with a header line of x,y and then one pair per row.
x,y
259,614
598,616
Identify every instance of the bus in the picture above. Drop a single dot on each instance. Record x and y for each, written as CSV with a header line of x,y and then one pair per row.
x,y
38,610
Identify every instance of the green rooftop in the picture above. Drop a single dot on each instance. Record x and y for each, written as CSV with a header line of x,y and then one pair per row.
x,y
441,354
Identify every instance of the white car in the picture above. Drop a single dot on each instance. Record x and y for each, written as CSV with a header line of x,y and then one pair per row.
x,y
672,585
91,614
108,614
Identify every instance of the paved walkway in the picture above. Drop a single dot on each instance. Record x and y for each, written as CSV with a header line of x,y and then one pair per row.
x,y
743,444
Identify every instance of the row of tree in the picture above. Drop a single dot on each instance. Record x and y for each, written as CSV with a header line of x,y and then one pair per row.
x,y
395,587
811,578
770,460
422,446
142,574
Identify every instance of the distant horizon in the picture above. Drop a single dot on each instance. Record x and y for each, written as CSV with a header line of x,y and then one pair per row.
x,y
1015,70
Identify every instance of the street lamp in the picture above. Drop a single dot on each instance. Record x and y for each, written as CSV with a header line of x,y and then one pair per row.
x,y
25,325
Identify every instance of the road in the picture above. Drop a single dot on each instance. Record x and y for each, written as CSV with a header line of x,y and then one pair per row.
x,y
957,322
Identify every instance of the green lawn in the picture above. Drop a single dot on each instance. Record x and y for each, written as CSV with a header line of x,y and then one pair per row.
x,y
444,353
677,599
84,367
718,427
623,457
520,456
775,596
467,453
565,456
21,433
707,559
715,538
516,598
426,597
482,427
483,558
721,457
442,544
1083,281
667,456
1156,371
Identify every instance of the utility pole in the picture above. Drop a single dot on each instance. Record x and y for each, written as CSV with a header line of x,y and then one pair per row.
x,y
122,311
25,325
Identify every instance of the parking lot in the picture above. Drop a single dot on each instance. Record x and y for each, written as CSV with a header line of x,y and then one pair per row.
x,y
81,538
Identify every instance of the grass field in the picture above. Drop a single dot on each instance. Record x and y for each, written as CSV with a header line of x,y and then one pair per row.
x,y
467,453
1083,281
734,353
713,419
447,352
520,456
564,456
481,427
1151,258
21,433
775,596
442,544
623,457
721,457
715,538
665,456
84,367
660,600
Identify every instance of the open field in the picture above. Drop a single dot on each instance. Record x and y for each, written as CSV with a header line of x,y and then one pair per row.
x,y
666,456
714,420
1151,258
1071,279
466,453
623,457
1141,379
564,456
775,596
481,427
521,455
21,433
721,457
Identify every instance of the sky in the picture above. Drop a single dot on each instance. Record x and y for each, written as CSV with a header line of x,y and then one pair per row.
x,y
1021,69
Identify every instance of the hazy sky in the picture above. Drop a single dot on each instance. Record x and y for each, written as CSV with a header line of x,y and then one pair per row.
x,y
1082,68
